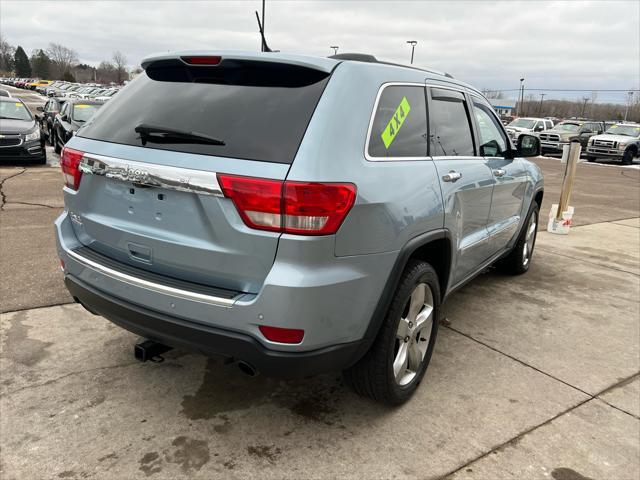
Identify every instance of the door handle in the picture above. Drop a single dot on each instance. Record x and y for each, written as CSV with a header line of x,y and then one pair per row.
x,y
452,176
499,172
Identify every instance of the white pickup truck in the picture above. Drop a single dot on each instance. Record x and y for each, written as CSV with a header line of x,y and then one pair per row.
x,y
620,142
527,125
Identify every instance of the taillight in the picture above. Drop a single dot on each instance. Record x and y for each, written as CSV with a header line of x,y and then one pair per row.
x,y
282,335
258,200
70,162
290,207
202,60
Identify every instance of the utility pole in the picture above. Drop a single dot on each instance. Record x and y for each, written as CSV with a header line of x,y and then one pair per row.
x,y
413,44
541,99
335,49
584,106
626,111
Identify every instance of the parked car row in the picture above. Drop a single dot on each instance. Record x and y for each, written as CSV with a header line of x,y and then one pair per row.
x,y
60,88
26,83
62,117
612,140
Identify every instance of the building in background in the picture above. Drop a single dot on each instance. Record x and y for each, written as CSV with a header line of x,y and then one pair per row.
x,y
503,106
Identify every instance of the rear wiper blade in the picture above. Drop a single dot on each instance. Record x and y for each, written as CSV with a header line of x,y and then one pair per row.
x,y
155,134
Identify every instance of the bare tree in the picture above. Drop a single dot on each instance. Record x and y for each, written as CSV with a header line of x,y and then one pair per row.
x,y
493,94
63,59
106,72
120,63
6,56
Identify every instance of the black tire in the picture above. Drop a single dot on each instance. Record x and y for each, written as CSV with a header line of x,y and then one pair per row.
x,y
514,263
373,376
591,159
43,160
627,158
56,145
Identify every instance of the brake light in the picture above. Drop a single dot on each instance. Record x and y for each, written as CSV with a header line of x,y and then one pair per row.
x,y
300,208
201,60
282,335
70,163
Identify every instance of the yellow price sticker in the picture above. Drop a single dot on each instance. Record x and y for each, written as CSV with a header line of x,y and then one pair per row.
x,y
82,106
391,130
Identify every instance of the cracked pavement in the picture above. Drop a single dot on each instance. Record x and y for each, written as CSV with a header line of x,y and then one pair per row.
x,y
533,377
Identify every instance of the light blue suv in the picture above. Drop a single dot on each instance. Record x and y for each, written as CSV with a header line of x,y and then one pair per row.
x,y
293,214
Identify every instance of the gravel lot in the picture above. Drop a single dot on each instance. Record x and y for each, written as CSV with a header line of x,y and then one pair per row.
x,y
533,377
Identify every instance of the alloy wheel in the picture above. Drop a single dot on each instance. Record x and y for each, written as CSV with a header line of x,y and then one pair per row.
x,y
413,334
527,249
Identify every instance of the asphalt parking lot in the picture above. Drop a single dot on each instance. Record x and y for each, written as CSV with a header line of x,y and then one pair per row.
x,y
533,377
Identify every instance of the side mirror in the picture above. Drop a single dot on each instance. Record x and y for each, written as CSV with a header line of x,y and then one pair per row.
x,y
40,108
490,149
528,146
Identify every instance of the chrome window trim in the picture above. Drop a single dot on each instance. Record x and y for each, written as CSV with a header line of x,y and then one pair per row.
x,y
152,286
148,174
464,92
372,117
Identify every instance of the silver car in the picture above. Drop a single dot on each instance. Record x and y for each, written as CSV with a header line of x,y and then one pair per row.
x,y
293,214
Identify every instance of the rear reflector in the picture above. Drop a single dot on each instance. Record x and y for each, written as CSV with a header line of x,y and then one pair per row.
x,y
282,335
69,162
202,60
290,207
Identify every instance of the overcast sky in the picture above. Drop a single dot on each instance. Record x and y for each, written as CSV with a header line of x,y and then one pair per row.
x,y
490,44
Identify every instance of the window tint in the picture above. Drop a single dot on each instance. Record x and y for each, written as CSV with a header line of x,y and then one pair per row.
x,y
493,143
450,133
400,123
259,111
547,124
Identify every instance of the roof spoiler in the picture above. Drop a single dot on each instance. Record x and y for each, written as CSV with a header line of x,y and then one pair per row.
x,y
315,63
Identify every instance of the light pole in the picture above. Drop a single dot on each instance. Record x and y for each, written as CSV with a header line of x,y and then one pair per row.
x,y
521,97
335,49
413,44
626,111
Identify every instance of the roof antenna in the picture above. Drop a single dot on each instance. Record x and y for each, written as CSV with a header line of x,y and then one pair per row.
x,y
263,47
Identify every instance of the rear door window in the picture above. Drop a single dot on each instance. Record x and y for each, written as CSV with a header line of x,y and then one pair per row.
x,y
450,129
399,128
259,110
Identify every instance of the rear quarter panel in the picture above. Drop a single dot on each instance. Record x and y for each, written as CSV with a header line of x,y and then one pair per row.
x,y
397,200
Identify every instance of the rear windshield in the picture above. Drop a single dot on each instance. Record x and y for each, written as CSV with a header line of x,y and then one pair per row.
x,y
255,119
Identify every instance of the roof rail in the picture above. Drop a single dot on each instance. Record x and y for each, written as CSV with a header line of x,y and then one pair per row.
x,y
365,57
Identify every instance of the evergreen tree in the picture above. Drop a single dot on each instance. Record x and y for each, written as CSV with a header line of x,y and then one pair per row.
x,y
40,64
21,63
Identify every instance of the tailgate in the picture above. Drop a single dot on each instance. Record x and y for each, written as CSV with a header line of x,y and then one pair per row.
x,y
148,195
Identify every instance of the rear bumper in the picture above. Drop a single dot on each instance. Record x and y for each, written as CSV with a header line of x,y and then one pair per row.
x,y
181,333
332,299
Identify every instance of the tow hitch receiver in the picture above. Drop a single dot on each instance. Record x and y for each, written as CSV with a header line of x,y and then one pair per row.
x,y
150,350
